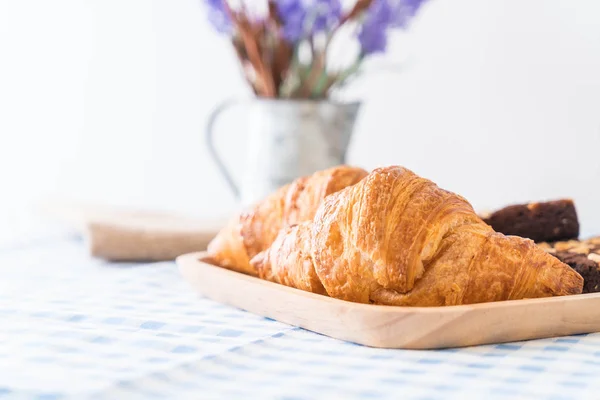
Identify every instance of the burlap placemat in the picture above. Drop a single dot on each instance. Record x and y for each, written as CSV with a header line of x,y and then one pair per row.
x,y
121,234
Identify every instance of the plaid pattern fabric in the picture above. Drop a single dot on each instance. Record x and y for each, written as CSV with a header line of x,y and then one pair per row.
x,y
74,327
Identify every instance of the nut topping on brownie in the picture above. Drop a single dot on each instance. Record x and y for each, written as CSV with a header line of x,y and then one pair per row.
x,y
583,256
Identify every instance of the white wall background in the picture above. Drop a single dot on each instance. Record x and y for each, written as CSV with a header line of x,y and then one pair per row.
x,y
106,100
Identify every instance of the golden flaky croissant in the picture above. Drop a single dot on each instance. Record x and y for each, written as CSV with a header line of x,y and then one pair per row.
x,y
395,238
255,229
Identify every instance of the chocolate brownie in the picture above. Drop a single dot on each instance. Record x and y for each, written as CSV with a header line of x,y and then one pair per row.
x,y
541,222
583,256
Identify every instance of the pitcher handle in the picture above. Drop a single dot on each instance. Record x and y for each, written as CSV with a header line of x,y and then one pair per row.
x,y
212,119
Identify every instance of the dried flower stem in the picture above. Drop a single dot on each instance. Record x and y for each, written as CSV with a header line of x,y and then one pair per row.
x,y
246,65
249,36
342,78
283,51
359,7
319,62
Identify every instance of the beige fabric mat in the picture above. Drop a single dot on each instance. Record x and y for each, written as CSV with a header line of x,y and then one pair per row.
x,y
121,234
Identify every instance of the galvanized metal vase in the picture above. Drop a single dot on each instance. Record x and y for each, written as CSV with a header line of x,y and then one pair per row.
x,y
287,139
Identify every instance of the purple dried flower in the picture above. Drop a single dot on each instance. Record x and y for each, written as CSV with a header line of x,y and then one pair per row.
x,y
373,36
373,39
292,14
402,11
218,17
326,13
382,15
271,30
302,18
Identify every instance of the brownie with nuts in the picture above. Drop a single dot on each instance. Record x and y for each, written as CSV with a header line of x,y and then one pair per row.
x,y
583,256
541,221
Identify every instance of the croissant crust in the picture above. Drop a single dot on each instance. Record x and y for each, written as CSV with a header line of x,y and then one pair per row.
x,y
395,238
255,229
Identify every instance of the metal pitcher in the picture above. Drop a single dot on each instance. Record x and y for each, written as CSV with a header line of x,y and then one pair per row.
x,y
287,139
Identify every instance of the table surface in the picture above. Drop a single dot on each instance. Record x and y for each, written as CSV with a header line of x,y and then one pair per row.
x,y
76,327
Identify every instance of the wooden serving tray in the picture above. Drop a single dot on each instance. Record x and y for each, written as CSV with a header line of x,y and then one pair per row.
x,y
395,327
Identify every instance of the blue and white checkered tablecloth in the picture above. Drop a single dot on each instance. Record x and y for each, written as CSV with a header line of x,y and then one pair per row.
x,y
74,327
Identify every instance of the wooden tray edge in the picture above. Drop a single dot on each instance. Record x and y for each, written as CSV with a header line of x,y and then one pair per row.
x,y
392,326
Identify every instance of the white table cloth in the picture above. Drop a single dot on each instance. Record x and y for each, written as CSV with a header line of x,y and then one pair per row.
x,y
75,327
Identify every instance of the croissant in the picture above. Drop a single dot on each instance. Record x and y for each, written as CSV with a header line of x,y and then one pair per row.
x,y
395,238
254,230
